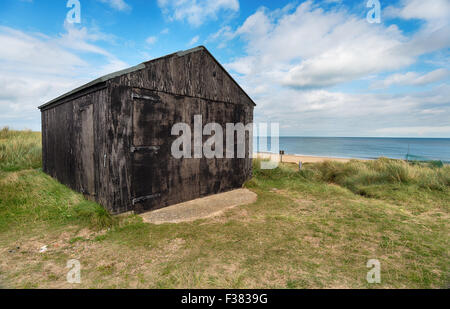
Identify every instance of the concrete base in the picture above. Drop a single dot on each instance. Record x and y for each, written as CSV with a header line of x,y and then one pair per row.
x,y
201,208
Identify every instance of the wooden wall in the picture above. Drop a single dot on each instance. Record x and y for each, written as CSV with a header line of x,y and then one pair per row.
x,y
71,148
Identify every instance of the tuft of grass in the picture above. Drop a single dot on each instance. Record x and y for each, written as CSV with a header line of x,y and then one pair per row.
x,y
94,215
20,150
355,175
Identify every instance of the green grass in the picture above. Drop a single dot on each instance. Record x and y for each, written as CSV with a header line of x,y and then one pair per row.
x,y
356,175
314,228
19,150
30,199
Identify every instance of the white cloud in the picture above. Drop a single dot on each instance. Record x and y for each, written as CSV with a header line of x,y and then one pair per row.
x,y
415,131
435,12
24,50
435,9
412,79
293,55
311,48
79,39
197,12
224,35
327,113
36,68
119,5
151,40
194,40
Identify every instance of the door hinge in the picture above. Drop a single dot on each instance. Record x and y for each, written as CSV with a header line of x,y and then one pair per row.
x,y
145,198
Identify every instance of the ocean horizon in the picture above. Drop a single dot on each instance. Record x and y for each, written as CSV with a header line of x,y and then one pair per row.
x,y
426,149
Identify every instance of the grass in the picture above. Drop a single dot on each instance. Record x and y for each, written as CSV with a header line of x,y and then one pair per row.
x,y
31,201
19,150
311,229
356,175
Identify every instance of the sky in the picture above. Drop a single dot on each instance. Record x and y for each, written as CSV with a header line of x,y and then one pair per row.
x,y
318,68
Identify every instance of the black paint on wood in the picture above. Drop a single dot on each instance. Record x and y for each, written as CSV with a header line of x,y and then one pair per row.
x,y
112,140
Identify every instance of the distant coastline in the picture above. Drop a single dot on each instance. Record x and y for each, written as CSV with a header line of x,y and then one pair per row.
x,y
360,148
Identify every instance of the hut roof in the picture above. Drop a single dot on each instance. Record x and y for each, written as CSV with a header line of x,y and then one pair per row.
x,y
138,67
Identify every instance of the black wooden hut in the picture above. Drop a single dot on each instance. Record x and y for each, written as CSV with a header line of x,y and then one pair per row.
x,y
111,138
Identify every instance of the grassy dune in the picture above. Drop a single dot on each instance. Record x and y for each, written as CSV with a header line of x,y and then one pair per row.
x,y
311,229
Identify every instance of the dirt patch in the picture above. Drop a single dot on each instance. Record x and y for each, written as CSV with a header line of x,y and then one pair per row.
x,y
202,208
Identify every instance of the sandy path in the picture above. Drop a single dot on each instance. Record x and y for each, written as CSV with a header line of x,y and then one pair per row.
x,y
201,208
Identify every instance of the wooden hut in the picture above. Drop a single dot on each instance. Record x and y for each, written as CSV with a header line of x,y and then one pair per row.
x,y
111,138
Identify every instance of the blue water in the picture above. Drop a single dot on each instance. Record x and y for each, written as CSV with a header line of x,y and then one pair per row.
x,y
365,148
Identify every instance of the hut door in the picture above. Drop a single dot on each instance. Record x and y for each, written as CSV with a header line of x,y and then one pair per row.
x,y
87,150
148,151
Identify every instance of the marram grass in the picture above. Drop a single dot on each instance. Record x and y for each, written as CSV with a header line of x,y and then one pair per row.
x,y
20,150
355,174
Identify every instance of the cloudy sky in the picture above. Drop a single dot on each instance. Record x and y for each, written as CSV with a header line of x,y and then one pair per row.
x,y
319,68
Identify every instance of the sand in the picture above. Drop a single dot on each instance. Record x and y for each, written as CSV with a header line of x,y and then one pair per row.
x,y
296,159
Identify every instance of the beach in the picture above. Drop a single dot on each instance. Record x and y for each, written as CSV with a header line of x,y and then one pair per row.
x,y
318,148
290,158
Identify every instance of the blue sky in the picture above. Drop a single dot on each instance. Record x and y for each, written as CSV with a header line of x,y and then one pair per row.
x,y
319,68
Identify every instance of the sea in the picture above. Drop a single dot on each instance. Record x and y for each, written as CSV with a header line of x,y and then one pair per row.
x,y
422,149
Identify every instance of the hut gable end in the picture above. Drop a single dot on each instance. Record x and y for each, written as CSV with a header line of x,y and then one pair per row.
x,y
194,73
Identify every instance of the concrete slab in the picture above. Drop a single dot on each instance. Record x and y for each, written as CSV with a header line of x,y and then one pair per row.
x,y
201,208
